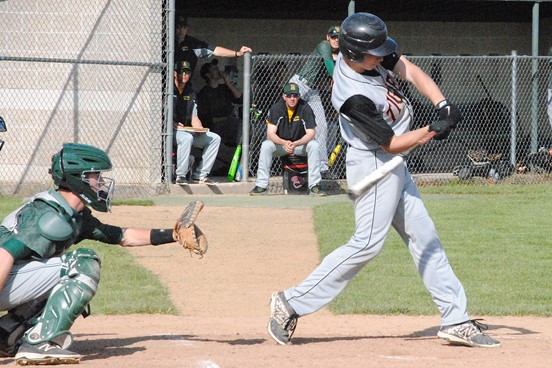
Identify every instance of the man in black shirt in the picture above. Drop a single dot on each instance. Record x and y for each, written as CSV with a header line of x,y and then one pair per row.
x,y
188,48
290,130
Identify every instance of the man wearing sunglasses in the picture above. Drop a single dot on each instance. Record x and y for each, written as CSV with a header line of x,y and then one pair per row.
x,y
314,77
290,130
189,131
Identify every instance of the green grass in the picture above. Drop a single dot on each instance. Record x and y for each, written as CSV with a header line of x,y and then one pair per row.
x,y
133,202
496,238
497,241
125,286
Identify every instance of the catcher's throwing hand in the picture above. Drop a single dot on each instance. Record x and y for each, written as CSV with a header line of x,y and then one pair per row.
x,y
187,233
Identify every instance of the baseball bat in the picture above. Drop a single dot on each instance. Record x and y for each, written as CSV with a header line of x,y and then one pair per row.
x,y
234,165
363,186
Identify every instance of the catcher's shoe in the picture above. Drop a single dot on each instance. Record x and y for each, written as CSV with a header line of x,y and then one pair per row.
x,y
283,319
469,334
45,353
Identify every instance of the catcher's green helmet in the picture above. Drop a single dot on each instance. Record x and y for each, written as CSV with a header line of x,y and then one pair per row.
x,y
78,168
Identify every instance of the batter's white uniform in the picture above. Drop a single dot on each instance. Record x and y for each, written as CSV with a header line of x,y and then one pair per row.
x,y
394,201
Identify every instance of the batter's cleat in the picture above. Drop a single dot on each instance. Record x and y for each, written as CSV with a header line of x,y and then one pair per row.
x,y
468,334
316,191
283,319
258,191
181,180
45,353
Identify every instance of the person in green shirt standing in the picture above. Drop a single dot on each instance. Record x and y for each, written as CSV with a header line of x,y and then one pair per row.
x,y
310,79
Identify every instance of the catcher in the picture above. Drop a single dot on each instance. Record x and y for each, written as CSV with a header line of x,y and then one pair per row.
x,y
43,287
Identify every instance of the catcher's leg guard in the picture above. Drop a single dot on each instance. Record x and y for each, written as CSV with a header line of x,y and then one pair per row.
x,y
14,324
68,299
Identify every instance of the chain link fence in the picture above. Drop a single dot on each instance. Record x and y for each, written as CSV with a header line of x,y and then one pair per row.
x,y
505,134
95,72
89,72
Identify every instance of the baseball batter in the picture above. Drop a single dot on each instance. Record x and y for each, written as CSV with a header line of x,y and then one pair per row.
x,y
43,287
374,119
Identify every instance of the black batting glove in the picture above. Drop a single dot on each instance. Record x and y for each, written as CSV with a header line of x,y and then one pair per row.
x,y
442,128
447,110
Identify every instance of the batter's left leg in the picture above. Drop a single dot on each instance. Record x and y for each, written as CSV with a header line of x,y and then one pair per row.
x,y
417,229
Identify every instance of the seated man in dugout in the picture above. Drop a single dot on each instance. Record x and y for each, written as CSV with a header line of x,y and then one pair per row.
x,y
189,132
290,130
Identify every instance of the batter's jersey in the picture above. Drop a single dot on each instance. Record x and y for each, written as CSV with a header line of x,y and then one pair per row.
x,y
21,236
371,105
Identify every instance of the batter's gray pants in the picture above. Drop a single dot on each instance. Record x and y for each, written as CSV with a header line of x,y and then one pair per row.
x,y
394,201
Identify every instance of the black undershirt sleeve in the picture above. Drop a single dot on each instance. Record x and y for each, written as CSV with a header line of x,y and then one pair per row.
x,y
390,60
366,120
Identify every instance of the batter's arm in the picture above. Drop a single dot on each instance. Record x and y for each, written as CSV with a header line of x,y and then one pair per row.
x,y
423,82
408,140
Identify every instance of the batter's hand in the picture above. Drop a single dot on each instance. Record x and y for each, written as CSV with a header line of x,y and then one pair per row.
x,y
442,128
447,110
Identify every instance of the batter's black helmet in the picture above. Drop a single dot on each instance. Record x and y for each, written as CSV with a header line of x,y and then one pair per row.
x,y
364,33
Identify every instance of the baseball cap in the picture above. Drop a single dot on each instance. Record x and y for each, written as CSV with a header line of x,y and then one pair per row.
x,y
181,20
334,31
291,88
205,68
182,66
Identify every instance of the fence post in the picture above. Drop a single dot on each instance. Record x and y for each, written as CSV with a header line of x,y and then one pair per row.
x,y
169,89
514,113
245,121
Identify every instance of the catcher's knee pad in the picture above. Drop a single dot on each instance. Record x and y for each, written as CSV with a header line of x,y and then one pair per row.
x,y
68,299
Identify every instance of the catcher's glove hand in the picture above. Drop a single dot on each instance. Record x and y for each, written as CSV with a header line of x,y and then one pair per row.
x,y
187,233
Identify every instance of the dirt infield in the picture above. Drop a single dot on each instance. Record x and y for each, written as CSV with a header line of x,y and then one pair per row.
x,y
223,308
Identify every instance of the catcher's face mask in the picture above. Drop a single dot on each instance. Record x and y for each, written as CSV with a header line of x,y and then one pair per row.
x,y
102,186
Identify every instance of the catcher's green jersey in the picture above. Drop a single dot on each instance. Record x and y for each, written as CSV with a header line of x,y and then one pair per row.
x,y
47,226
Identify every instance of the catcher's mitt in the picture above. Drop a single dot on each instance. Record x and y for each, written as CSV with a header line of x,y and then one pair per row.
x,y
187,233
